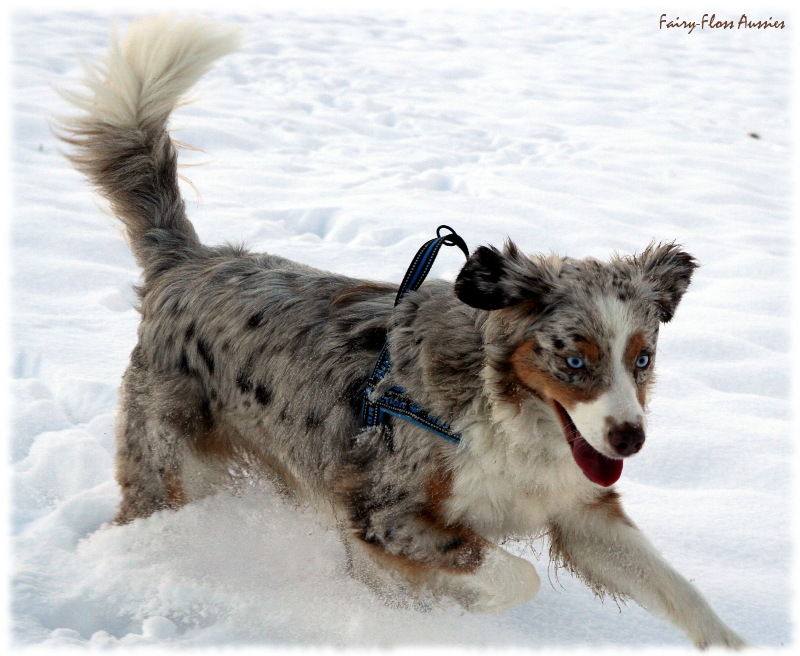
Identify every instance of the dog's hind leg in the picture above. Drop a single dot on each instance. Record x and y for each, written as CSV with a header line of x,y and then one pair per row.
x,y
599,544
150,451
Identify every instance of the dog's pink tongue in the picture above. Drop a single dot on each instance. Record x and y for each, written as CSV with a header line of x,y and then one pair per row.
x,y
597,467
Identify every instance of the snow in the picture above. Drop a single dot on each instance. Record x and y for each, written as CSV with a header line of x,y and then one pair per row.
x,y
342,140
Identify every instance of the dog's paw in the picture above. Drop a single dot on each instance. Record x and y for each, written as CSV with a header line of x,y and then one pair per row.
x,y
709,632
502,582
721,637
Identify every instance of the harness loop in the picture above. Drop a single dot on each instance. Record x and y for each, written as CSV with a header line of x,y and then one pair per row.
x,y
395,402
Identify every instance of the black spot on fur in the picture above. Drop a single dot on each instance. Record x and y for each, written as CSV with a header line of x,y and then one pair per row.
x,y
243,381
190,331
388,438
558,343
206,414
185,368
370,339
297,341
452,544
255,320
313,420
358,514
263,394
354,391
184,364
205,352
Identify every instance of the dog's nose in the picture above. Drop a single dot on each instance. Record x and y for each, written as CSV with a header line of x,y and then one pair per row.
x,y
627,438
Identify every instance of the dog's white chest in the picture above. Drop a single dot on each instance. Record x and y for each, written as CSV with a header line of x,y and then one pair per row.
x,y
494,506
503,491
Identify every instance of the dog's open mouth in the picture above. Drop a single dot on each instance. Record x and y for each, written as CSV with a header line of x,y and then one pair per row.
x,y
598,468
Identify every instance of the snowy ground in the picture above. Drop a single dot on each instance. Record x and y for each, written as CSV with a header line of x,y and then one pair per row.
x,y
343,141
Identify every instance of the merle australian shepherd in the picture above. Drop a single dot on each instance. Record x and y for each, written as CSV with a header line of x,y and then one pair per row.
x,y
541,364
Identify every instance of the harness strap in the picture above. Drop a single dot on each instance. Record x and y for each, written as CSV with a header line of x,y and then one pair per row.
x,y
395,402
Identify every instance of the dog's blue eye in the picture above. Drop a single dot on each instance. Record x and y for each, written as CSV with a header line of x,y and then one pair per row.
x,y
643,361
575,362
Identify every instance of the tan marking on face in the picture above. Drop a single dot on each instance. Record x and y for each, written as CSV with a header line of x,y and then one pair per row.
x,y
643,391
509,388
511,394
544,384
589,350
636,344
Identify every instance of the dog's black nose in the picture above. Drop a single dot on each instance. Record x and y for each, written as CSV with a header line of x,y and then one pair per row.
x,y
627,438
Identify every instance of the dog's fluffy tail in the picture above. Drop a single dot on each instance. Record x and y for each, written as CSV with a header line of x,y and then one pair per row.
x,y
120,140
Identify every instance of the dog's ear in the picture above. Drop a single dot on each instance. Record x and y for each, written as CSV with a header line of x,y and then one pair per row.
x,y
669,270
493,279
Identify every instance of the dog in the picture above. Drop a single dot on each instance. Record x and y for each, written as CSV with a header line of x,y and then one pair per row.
x,y
541,364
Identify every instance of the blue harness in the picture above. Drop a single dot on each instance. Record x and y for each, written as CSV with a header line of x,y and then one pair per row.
x,y
394,402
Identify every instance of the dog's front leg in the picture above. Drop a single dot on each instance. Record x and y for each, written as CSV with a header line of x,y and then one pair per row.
x,y
447,561
601,545
403,534
500,582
